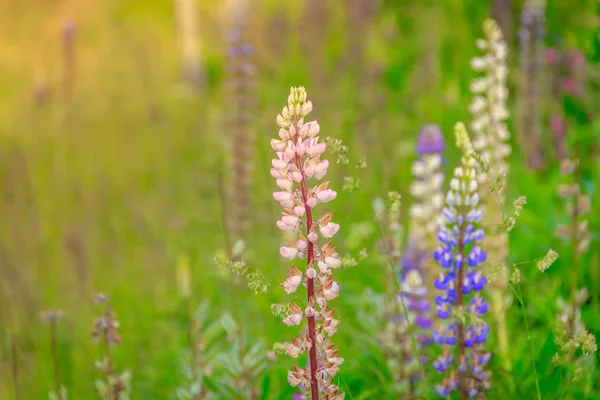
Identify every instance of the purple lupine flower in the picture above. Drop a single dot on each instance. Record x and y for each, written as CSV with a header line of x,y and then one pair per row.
x,y
431,140
461,332
414,296
414,290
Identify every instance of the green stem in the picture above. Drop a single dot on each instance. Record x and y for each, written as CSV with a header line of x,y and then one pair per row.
x,y
533,360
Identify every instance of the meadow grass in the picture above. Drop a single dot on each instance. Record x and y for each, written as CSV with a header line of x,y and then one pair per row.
x,y
107,187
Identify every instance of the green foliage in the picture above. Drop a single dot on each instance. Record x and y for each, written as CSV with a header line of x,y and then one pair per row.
x,y
106,188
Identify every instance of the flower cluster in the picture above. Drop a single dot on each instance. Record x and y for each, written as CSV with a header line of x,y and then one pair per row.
x,y
461,333
242,100
532,31
488,106
414,296
299,160
116,386
427,190
491,143
568,76
427,186
576,344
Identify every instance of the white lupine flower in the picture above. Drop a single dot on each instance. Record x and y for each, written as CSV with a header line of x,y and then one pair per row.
x,y
288,252
291,284
326,195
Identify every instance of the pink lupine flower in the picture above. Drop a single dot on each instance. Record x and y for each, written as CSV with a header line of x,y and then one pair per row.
x,y
282,196
326,196
278,145
329,230
301,245
288,252
310,129
293,280
298,161
299,211
313,148
293,349
284,184
279,163
321,169
293,319
290,220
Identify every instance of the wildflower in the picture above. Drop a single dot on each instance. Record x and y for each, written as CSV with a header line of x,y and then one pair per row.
x,y
461,281
415,322
427,186
492,149
575,343
106,331
241,95
532,32
298,161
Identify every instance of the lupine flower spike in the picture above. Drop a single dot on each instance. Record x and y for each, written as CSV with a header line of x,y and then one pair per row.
x,y
532,32
491,144
298,162
427,190
427,186
461,332
242,100
414,295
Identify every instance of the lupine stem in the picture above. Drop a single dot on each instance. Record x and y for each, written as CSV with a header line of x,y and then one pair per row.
x,y
462,387
314,386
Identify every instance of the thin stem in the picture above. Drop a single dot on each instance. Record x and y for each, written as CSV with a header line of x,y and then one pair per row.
x,y
192,343
54,350
537,383
14,366
462,384
310,284
413,341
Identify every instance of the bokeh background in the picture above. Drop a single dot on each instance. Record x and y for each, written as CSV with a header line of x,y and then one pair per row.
x,y
116,140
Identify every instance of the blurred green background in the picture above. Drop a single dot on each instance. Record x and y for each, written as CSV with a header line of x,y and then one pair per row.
x,y
110,165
